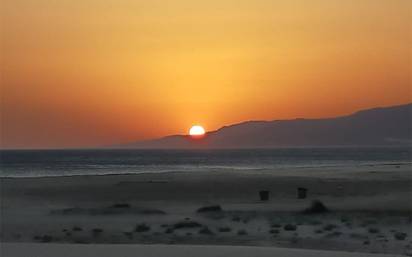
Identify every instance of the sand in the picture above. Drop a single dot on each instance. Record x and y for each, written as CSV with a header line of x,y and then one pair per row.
x,y
370,209
65,250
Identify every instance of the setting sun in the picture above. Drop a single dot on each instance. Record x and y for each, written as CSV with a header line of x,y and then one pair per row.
x,y
197,131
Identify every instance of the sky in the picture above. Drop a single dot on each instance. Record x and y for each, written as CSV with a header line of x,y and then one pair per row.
x,y
101,72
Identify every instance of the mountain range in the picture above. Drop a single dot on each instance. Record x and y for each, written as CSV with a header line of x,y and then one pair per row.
x,y
388,126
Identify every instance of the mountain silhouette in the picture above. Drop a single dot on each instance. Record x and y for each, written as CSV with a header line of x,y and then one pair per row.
x,y
389,126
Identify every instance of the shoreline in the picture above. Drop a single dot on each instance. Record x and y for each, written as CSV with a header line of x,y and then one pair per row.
x,y
268,171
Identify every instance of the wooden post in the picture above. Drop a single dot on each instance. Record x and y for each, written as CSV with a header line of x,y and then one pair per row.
x,y
302,192
264,195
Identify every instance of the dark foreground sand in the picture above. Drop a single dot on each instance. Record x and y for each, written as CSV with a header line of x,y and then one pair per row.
x,y
369,209
105,250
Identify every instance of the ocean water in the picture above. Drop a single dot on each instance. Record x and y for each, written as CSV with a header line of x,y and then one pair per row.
x,y
38,163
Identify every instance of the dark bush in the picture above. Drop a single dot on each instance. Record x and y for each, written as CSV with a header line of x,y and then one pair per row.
x,y
206,231
128,234
46,238
75,228
290,227
169,231
142,228
121,205
186,224
274,231
212,208
242,232
97,231
236,219
400,236
152,212
225,229
316,207
373,230
329,227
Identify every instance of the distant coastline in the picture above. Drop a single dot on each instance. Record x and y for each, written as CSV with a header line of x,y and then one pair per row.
x,y
383,126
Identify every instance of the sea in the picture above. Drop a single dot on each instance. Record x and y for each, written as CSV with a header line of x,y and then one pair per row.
x,y
43,163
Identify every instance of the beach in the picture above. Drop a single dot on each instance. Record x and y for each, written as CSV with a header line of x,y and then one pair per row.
x,y
367,209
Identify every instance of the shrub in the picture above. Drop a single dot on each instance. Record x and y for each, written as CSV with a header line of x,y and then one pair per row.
x,y
128,234
75,228
236,219
290,227
169,231
400,236
152,212
186,224
329,227
120,205
142,228
206,231
242,232
46,238
373,230
212,208
225,229
97,231
316,207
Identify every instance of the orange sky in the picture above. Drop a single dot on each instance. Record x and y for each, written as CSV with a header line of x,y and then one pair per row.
x,y
92,72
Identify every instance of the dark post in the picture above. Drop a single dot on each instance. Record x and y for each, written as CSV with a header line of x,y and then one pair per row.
x,y
302,192
264,195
